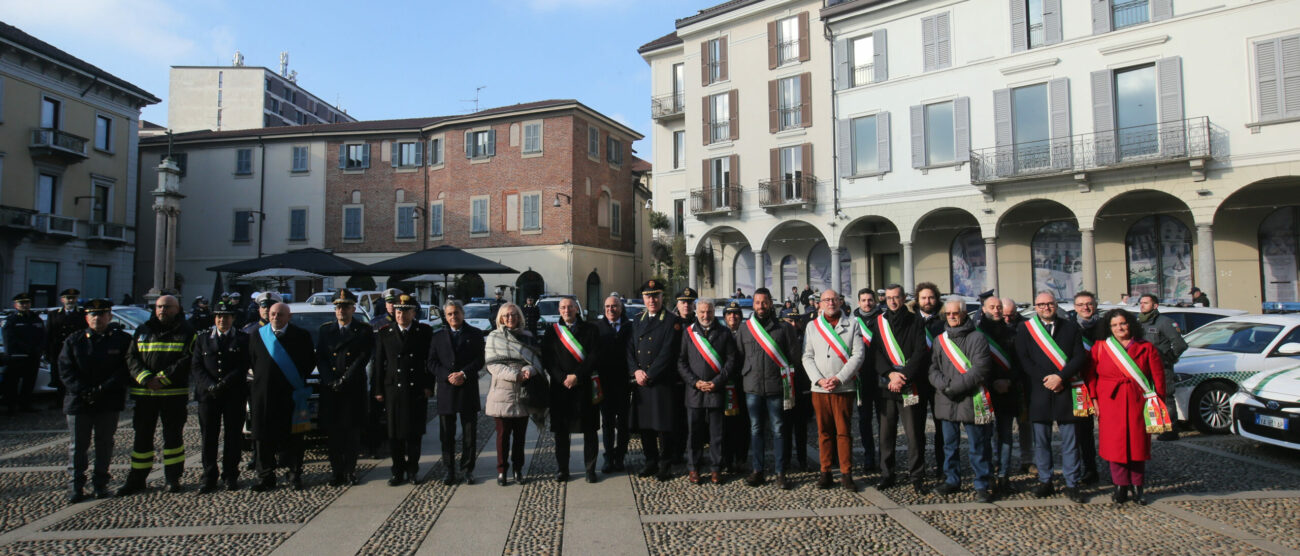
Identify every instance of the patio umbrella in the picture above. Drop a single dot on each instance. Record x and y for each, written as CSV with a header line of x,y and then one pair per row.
x,y
313,260
443,259
281,274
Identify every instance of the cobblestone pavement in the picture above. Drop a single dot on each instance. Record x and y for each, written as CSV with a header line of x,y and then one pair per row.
x,y
1210,495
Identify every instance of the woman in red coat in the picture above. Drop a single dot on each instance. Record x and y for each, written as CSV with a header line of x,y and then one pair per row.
x,y
1120,402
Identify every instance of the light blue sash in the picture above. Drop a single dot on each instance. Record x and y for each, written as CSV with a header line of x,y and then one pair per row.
x,y
301,392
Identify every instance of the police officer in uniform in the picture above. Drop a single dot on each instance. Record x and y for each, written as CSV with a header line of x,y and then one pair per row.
x,y
386,318
686,305
219,369
93,365
24,337
532,315
403,383
201,314
376,421
159,363
264,302
61,323
343,350
657,406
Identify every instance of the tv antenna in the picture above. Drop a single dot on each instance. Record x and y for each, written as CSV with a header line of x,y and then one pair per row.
x,y
475,99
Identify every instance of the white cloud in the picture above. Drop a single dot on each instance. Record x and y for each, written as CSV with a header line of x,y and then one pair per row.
x,y
149,29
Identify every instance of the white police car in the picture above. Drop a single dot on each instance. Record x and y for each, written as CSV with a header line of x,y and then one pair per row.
x,y
1224,354
1267,408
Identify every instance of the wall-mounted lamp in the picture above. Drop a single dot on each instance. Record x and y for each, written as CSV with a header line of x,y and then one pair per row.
x,y
94,203
567,197
1204,192
987,210
252,220
649,204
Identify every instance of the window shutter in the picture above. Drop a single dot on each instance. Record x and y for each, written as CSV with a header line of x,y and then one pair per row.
x,y
343,156
365,155
882,142
961,128
772,59
419,153
1100,16
1003,134
942,41
1103,116
733,116
806,160
1169,89
735,171
1266,79
927,43
469,146
918,136
805,44
708,135
1051,21
879,55
843,147
1289,73
492,142
805,100
773,107
1058,103
1019,26
706,184
394,152
704,63
1162,9
722,58
774,165
843,65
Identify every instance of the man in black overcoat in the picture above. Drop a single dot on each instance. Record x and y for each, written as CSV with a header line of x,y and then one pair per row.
x,y
402,381
567,356
456,359
343,349
652,362
614,332
219,369
279,395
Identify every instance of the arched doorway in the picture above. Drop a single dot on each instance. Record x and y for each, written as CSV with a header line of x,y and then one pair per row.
x,y
968,264
743,271
1279,243
468,286
594,296
789,278
820,268
529,284
1057,250
1159,255
874,246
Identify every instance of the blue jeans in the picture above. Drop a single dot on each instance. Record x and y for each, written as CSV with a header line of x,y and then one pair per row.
x,y
981,453
1071,467
1004,444
765,412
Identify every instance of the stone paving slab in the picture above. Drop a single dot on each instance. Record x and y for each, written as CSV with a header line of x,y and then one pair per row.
x,y
58,454
1274,519
875,534
194,545
27,497
1249,448
538,527
1075,529
14,441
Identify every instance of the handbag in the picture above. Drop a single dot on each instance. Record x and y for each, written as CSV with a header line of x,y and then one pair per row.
x,y
536,393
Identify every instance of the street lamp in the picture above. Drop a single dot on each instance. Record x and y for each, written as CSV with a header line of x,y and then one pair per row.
x,y
556,204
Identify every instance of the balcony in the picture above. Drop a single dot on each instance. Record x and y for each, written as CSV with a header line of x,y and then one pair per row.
x,y
798,192
719,130
1147,145
668,107
864,74
57,146
716,201
12,218
789,117
105,231
55,225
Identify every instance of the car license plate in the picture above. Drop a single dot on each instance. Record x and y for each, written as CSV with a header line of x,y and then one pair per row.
x,y
1270,421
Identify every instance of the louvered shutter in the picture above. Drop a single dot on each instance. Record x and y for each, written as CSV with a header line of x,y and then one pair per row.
x,y
1052,21
961,128
918,136
805,100
1058,106
1103,117
882,143
843,147
1003,134
1019,26
733,116
805,44
1100,16
880,55
1169,88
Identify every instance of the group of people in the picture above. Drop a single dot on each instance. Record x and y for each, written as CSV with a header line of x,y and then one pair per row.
x,y
679,377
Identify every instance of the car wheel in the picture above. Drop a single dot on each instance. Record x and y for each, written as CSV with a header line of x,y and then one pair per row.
x,y
1211,412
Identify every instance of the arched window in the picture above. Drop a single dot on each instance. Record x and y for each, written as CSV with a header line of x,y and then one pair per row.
x,y
468,286
529,284
594,297
743,272
1057,249
789,276
1279,245
1159,250
968,266
602,210
819,267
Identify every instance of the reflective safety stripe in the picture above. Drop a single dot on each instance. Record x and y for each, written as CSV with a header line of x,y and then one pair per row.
x,y
142,460
153,347
174,460
166,381
172,456
142,455
173,451
143,377
162,392
142,465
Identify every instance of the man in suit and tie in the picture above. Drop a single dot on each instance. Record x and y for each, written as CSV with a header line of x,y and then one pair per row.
x,y
455,359
615,333
282,358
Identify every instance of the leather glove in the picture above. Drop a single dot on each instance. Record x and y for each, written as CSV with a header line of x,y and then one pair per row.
x,y
337,385
952,394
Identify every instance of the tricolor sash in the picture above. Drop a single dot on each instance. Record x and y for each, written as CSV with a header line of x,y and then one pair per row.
x,y
981,401
832,338
999,355
929,338
597,393
774,352
1154,412
301,392
733,402
570,343
1080,399
895,353
867,336
706,351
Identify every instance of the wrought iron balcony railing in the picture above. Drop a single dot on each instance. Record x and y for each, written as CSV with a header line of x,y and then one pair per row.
x,y
1173,141
787,51
55,225
13,217
719,130
864,74
799,191
789,117
715,200
58,144
668,106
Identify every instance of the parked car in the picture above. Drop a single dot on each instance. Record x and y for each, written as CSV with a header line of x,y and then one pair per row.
x,y
633,309
1221,356
1267,407
549,306
478,315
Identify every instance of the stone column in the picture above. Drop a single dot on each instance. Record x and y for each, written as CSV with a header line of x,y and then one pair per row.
x,y
160,247
837,281
169,279
758,271
690,269
166,206
908,277
1207,275
991,265
1089,260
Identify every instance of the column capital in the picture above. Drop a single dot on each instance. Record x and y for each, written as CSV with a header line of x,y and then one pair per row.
x,y
1205,227
991,240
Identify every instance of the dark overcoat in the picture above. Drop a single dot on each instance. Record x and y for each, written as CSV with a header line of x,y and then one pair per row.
x,y
271,396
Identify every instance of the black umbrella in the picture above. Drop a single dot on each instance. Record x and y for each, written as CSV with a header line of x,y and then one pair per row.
x,y
217,290
312,260
443,259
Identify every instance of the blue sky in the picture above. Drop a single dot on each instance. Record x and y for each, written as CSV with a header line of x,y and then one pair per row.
x,y
418,59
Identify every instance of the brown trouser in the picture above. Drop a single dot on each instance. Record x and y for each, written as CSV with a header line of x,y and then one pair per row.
x,y
833,430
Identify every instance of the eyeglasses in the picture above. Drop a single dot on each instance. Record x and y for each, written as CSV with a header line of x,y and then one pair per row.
x,y
951,313
1086,304
1044,304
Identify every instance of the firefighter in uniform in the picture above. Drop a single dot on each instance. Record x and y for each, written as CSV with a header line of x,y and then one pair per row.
x,y
402,382
159,363
93,364
342,354
652,361
219,369
24,339
59,324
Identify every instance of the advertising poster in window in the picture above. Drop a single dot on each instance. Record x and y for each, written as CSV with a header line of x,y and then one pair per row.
x,y
968,267
789,275
1057,250
1277,248
1160,258
744,271
819,266
1143,259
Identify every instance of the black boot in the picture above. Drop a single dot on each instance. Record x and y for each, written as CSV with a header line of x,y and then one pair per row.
x,y
1139,496
1120,495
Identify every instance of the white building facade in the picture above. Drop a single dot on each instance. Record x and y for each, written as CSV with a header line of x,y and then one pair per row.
x,y
242,97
